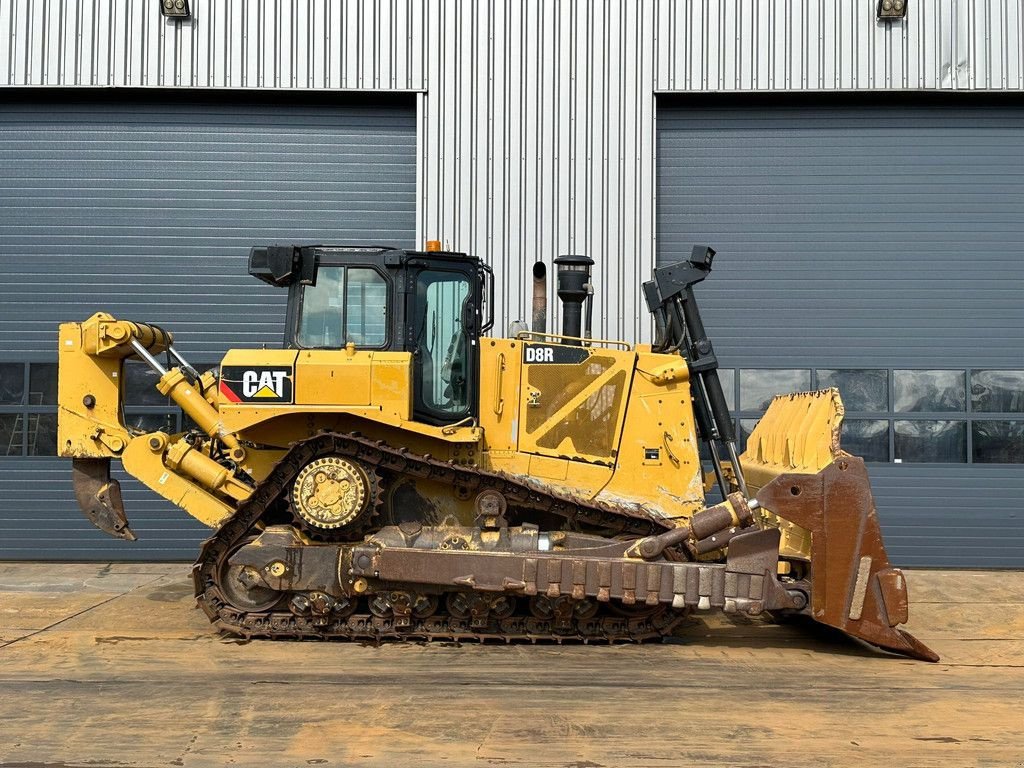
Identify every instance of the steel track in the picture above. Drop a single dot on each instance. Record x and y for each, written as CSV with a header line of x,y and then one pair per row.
x,y
523,497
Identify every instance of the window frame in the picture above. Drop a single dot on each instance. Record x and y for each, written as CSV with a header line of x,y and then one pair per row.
x,y
968,416
26,410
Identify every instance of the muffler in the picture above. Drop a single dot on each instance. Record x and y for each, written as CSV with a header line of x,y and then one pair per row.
x,y
540,298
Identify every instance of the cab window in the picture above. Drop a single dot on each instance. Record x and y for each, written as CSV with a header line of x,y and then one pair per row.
x,y
443,343
347,304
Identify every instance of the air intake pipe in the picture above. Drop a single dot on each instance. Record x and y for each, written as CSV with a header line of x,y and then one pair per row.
x,y
540,298
573,289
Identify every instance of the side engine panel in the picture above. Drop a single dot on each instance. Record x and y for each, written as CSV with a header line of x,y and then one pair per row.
x,y
592,420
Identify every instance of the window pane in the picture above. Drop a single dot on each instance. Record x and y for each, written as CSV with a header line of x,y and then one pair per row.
x,y
140,385
861,390
746,427
929,391
320,317
12,383
998,442
931,441
366,299
42,384
153,422
728,378
442,347
867,438
997,391
757,388
42,434
10,434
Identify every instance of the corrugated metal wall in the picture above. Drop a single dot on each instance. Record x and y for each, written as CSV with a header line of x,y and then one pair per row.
x,y
542,143
537,119
147,208
294,44
799,45
150,206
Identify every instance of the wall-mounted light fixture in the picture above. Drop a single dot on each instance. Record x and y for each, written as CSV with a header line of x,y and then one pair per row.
x,y
178,9
890,10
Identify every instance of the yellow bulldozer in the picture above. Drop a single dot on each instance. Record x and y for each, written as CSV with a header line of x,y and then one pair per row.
x,y
394,471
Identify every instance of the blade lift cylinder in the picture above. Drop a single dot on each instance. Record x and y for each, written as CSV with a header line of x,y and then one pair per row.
x,y
671,301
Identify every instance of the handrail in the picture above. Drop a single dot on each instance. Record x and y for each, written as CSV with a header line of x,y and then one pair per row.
x,y
499,371
560,339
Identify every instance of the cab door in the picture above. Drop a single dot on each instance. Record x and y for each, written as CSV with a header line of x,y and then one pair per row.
x,y
444,334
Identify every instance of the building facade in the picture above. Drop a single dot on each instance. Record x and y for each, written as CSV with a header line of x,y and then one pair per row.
x,y
862,181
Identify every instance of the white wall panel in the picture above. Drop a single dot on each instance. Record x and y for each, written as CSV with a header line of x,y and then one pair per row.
x,y
541,143
345,44
770,45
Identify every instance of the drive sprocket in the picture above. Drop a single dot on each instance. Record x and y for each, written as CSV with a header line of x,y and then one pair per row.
x,y
334,496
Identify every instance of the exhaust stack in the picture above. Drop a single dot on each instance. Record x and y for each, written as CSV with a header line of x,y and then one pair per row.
x,y
573,290
540,298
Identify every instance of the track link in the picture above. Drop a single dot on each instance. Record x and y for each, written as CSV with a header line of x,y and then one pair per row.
x,y
523,497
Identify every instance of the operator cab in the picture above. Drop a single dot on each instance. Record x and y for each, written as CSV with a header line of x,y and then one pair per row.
x,y
429,303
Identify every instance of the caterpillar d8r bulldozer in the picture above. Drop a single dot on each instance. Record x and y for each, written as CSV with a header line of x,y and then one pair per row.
x,y
395,472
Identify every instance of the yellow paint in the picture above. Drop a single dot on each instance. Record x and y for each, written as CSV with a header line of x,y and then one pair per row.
x,y
617,426
659,419
548,468
85,432
148,467
181,457
176,385
622,474
333,377
103,336
798,433
500,371
574,411
374,385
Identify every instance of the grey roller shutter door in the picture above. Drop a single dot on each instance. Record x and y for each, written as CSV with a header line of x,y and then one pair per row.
x,y
146,207
867,236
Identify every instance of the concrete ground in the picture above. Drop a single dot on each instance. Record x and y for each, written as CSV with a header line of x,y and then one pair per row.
x,y
113,666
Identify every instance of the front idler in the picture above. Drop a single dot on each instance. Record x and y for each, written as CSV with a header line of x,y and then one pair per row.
x,y
100,497
854,588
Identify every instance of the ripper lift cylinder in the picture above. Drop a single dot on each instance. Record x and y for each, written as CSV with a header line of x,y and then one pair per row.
x,y
175,384
180,456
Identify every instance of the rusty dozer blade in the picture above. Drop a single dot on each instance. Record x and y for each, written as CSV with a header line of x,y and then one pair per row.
x,y
820,498
100,497
853,586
